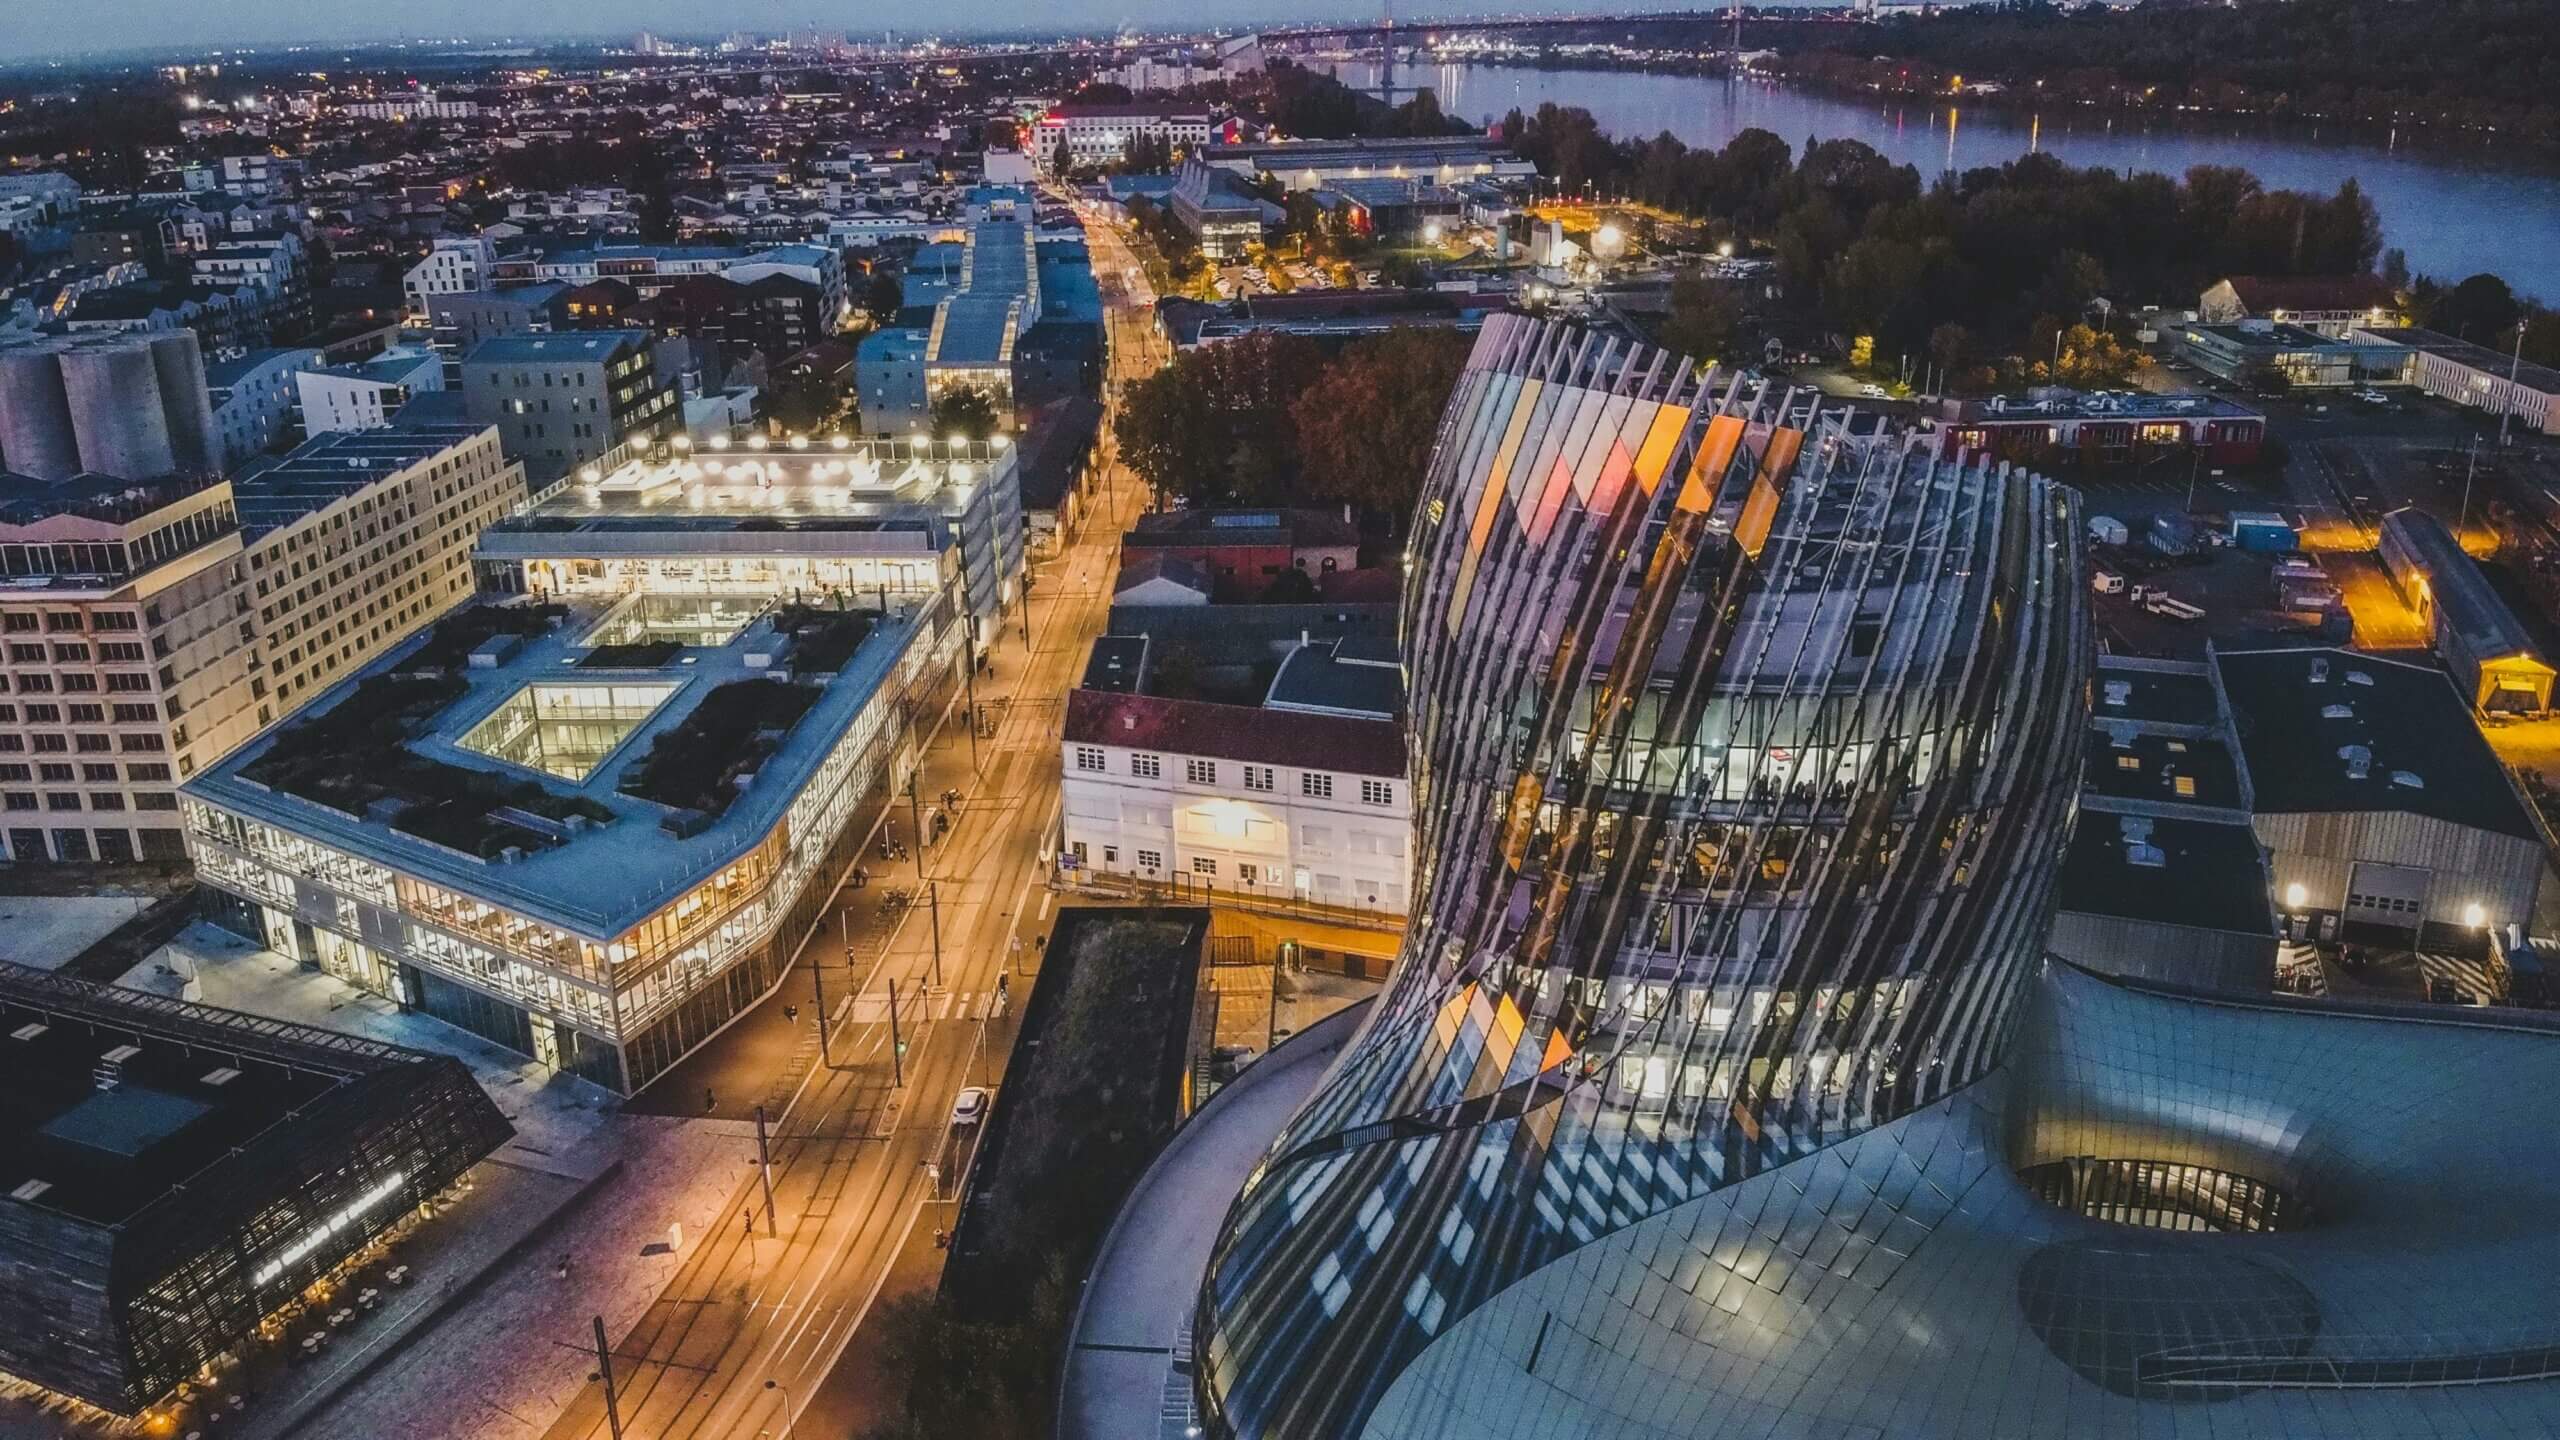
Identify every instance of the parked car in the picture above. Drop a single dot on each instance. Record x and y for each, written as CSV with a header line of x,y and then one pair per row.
x,y
1871,391
970,1106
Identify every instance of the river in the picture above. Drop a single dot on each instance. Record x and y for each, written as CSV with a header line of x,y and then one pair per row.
x,y
2454,207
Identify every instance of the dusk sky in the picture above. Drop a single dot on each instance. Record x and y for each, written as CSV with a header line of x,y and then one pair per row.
x,y
31,28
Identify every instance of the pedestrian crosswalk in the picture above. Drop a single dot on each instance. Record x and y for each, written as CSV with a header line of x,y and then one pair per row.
x,y
932,1005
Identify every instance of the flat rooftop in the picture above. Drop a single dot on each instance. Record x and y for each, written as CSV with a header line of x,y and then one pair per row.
x,y
595,860
553,349
2462,352
2153,697
867,487
328,468
2279,334
2306,718
2061,404
191,1085
2165,768
2206,874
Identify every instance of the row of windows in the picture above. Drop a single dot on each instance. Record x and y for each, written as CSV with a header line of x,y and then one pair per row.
x,y
101,800
86,744
1314,784
91,772
142,713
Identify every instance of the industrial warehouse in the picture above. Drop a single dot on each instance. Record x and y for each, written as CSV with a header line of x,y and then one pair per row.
x,y
595,824
177,1174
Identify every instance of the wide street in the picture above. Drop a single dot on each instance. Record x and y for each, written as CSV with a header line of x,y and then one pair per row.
x,y
750,1336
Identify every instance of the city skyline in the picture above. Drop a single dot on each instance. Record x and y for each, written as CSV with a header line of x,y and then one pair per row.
x,y
41,32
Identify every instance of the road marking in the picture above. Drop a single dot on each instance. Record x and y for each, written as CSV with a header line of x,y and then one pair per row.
x,y
1048,898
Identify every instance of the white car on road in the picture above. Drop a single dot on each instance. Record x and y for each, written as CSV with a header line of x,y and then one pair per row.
x,y
970,1107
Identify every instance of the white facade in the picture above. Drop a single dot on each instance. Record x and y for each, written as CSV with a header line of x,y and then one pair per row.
x,y
1333,837
422,106
452,267
366,396
1098,136
255,405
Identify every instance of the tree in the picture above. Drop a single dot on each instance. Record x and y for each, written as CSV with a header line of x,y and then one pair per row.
x,y
884,297
1367,426
1705,322
2395,270
805,402
1062,159
966,412
2481,309
1216,425
1000,133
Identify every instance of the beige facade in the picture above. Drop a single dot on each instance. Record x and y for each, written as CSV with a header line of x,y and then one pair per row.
x,y
148,632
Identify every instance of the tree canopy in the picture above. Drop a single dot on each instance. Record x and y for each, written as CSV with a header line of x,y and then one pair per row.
x,y
966,413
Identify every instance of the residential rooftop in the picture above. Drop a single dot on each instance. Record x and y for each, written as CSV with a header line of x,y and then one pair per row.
x,y
1340,677
2308,720
595,860
2149,693
537,348
273,493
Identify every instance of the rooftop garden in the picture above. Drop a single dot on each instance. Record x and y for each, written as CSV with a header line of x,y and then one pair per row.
x,y
354,757
732,731
450,644
822,640
631,655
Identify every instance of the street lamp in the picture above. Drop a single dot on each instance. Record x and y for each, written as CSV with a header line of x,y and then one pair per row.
x,y
790,1422
2515,361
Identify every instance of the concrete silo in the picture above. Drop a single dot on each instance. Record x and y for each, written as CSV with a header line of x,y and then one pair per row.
x,y
115,409
36,435
185,401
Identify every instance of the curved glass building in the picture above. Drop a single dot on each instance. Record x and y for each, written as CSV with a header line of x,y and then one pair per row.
x,y
1746,744
1724,1086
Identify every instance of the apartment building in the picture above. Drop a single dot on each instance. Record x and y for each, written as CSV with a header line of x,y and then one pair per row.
x,y
254,394
368,394
562,400
125,661
457,264
357,539
147,630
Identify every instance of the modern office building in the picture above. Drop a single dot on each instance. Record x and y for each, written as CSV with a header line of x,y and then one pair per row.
x,y
356,540
594,830
177,1173
850,517
1723,1086
2059,426
1215,206
2496,381
560,401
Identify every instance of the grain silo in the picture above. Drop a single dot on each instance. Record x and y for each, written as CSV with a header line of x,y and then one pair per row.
x,y
114,394
36,435
185,402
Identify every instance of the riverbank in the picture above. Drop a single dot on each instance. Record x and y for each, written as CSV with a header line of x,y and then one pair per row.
x,y
2455,210
2278,123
